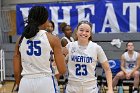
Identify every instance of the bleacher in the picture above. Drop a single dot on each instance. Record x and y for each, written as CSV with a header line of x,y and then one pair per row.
x,y
113,52
9,50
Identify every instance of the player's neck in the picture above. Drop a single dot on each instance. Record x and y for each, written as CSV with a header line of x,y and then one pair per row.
x,y
130,52
82,43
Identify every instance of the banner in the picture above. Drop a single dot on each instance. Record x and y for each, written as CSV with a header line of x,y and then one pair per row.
x,y
106,16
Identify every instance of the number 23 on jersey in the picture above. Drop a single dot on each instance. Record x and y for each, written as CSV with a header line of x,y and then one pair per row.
x,y
81,69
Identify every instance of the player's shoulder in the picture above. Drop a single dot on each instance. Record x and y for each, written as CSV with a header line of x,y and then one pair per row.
x,y
52,37
124,55
72,43
53,40
93,44
136,52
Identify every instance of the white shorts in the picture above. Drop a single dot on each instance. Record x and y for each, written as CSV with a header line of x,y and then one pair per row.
x,y
77,88
38,85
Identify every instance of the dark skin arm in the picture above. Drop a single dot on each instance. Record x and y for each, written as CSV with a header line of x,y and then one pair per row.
x,y
58,54
17,63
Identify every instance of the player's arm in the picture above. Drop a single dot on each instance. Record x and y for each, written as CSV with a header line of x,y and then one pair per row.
x,y
103,60
123,64
108,74
58,55
17,63
137,64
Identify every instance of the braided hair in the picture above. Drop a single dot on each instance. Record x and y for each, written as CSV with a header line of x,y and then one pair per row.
x,y
63,26
38,15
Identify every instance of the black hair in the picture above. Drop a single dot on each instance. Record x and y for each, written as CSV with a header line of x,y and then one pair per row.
x,y
52,24
38,15
63,26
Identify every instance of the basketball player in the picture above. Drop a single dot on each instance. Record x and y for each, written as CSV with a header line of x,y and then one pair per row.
x,y
66,29
82,59
33,53
130,62
50,27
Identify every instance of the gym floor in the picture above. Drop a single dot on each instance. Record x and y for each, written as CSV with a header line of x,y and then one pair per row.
x,y
8,86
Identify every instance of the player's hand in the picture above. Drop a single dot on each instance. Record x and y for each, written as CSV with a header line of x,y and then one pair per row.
x,y
128,75
64,51
110,91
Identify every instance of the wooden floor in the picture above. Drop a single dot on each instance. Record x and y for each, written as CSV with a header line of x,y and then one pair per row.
x,y
8,85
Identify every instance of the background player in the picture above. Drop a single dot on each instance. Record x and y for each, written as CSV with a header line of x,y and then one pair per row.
x,y
130,62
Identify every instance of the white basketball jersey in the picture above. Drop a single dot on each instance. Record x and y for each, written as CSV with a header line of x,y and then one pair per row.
x,y
35,55
130,61
82,61
71,38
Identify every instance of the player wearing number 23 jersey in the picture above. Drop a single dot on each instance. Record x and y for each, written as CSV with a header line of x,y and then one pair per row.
x,y
83,60
82,57
81,65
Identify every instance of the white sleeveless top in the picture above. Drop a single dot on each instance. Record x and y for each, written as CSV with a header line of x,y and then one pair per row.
x,y
71,38
130,62
35,56
82,61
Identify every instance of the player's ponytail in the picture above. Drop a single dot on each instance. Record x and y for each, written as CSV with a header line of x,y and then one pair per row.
x,y
38,15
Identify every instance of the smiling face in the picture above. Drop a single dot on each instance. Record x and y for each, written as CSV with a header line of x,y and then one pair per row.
x,y
68,31
49,27
83,32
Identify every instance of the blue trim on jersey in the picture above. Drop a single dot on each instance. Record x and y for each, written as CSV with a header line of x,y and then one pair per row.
x,y
51,61
54,84
65,89
51,55
53,77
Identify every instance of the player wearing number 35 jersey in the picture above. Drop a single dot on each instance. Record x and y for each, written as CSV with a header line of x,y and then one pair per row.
x,y
33,55
82,58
